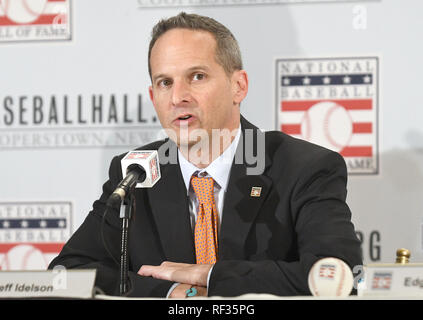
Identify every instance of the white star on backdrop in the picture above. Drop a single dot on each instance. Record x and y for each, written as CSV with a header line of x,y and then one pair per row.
x,y
347,79
306,80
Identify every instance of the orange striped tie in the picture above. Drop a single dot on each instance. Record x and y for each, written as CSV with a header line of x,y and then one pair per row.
x,y
205,232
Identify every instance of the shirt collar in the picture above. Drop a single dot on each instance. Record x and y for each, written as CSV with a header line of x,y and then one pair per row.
x,y
219,169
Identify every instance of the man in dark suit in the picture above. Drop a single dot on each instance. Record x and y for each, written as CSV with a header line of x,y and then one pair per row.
x,y
264,223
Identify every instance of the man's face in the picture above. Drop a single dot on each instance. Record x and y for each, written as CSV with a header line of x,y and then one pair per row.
x,y
190,90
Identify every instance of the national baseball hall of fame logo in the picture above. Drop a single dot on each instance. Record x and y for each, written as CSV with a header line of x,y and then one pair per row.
x,y
29,20
332,102
32,233
382,281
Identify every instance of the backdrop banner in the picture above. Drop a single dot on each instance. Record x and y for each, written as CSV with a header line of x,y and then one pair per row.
x,y
74,92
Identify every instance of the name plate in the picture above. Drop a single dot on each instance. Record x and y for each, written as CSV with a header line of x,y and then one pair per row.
x,y
392,280
56,283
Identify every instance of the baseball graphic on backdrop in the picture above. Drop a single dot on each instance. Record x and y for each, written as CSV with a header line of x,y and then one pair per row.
x,y
24,257
330,277
327,124
23,11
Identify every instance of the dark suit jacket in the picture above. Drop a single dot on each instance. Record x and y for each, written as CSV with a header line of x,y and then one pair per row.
x,y
267,244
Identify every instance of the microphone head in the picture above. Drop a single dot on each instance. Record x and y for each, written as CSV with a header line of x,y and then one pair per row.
x,y
148,160
330,277
114,200
135,167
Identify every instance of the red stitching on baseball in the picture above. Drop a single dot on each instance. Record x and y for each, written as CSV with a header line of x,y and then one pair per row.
x,y
6,262
326,127
341,282
26,257
35,14
5,6
306,118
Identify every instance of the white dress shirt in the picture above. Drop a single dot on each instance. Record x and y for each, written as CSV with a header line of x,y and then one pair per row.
x,y
219,170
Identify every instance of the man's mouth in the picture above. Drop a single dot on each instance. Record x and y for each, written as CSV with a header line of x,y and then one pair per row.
x,y
186,117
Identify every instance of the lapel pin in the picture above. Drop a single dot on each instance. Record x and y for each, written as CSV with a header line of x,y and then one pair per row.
x,y
255,191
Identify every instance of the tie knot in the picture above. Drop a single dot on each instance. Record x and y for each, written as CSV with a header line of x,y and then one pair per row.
x,y
203,188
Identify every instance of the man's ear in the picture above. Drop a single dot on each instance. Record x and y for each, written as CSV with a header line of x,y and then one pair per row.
x,y
150,91
239,85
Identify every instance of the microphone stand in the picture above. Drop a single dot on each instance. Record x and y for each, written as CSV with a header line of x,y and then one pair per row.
x,y
125,215
124,194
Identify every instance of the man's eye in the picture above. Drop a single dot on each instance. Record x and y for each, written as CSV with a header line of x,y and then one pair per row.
x,y
164,83
198,76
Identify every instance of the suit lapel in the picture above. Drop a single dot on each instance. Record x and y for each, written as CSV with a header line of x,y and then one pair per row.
x,y
240,207
169,204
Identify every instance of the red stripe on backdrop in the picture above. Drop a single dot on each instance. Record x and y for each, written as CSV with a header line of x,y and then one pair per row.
x,y
361,104
297,105
43,19
5,21
44,247
291,128
359,151
49,19
362,127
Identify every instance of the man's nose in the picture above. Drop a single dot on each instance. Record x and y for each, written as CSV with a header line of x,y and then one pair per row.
x,y
180,93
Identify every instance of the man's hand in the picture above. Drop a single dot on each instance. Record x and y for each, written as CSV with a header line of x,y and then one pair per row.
x,y
179,292
193,274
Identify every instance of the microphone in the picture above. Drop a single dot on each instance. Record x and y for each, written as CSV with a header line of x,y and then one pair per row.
x,y
135,173
140,169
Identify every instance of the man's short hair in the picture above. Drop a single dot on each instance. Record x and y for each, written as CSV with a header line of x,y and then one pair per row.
x,y
228,54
